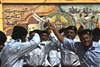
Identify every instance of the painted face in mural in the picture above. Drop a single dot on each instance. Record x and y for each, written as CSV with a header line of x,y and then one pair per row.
x,y
85,20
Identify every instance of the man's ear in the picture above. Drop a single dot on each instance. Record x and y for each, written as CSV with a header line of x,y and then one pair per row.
x,y
23,39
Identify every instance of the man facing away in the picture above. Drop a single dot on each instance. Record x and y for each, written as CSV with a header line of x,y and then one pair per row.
x,y
13,51
3,39
96,34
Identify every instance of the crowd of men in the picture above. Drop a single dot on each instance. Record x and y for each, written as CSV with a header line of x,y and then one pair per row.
x,y
50,47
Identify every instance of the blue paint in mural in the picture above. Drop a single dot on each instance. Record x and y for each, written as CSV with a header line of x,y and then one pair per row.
x,y
88,15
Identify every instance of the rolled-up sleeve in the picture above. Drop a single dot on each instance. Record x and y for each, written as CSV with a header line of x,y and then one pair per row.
x,y
35,39
20,48
54,39
67,43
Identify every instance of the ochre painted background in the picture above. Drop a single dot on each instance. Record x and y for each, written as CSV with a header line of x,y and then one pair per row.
x,y
50,1
41,1
4,3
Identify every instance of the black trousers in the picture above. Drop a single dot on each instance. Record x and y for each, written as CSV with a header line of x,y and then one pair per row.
x,y
50,66
31,66
39,66
70,66
27,66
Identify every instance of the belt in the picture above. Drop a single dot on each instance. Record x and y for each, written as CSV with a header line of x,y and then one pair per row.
x,y
27,66
50,66
32,66
39,66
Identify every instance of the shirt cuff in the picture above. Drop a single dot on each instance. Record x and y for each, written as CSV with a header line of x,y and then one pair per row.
x,y
51,35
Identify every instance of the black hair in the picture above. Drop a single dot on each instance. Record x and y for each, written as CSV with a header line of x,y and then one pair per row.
x,y
96,31
3,37
71,28
44,31
85,31
62,30
37,31
18,32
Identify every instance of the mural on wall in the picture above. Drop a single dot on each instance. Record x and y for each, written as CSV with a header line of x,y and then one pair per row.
x,y
83,16
22,15
87,16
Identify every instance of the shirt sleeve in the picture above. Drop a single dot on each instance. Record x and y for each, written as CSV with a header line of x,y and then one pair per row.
x,y
48,46
20,48
55,40
67,43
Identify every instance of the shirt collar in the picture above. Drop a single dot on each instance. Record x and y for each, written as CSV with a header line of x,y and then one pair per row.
x,y
94,45
12,40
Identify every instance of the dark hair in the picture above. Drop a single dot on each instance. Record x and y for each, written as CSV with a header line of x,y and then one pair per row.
x,y
85,31
3,37
18,32
30,32
71,28
62,30
44,31
96,31
37,31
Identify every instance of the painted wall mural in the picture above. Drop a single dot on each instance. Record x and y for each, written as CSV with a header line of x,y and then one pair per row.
x,y
82,16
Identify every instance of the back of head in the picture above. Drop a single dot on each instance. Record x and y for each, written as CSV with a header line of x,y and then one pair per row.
x,y
96,34
71,28
37,31
62,30
96,31
18,32
3,37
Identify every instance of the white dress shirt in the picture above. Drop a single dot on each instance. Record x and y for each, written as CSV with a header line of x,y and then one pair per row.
x,y
89,58
54,57
13,51
68,58
38,55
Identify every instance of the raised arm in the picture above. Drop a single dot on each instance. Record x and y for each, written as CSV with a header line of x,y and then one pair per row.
x,y
58,39
50,27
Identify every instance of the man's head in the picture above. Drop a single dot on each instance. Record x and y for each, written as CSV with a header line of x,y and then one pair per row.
x,y
37,31
96,34
61,30
31,34
19,32
44,35
3,39
70,32
85,37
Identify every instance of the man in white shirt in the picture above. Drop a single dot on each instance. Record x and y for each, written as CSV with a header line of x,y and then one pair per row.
x,y
3,39
13,52
53,61
38,57
72,59
87,50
